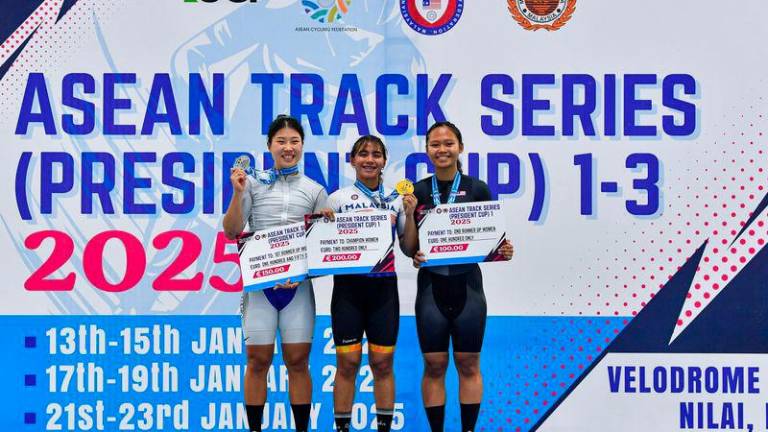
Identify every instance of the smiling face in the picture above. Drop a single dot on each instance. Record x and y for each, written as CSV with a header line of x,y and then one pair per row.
x,y
443,148
286,147
368,161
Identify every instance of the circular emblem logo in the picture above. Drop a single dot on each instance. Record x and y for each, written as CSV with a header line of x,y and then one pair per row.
x,y
438,210
541,14
326,11
431,17
256,237
355,197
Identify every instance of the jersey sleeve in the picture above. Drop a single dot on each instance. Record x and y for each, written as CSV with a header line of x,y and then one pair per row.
x,y
246,202
482,191
422,192
400,221
321,200
333,202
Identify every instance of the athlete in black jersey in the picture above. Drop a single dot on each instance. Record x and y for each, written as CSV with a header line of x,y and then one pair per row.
x,y
450,303
368,303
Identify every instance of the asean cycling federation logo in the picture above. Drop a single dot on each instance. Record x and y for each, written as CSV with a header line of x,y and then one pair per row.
x,y
549,15
431,17
326,11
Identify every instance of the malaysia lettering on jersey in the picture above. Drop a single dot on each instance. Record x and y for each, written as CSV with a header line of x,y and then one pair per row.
x,y
364,205
349,199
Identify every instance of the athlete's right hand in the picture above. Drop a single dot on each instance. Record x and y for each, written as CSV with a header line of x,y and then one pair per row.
x,y
328,214
418,259
238,178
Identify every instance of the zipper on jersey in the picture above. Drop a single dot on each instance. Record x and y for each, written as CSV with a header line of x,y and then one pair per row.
x,y
286,200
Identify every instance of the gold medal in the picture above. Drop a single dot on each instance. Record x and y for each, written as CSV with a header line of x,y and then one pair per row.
x,y
404,187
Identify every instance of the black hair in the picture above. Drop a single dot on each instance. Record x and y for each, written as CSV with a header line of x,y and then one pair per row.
x,y
452,127
284,121
365,139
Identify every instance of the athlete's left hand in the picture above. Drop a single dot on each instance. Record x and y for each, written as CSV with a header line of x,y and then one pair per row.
x,y
328,214
418,259
287,285
507,250
409,204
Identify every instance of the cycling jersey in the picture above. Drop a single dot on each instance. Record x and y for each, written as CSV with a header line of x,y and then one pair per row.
x,y
366,303
264,206
450,303
352,199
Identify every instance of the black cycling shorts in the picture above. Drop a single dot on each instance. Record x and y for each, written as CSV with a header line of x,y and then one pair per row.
x,y
365,304
451,308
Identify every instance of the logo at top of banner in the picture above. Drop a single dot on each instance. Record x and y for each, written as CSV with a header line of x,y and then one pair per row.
x,y
326,11
431,17
549,15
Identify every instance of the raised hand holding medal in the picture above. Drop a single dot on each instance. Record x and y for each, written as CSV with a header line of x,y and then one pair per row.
x,y
238,173
244,163
405,188
266,177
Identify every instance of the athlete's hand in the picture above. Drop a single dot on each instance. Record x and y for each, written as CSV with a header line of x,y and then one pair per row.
x,y
238,178
409,204
328,213
507,250
418,259
287,285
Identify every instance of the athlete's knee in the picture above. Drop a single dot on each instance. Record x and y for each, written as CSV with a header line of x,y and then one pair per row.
x,y
381,367
347,367
296,363
468,366
258,363
435,367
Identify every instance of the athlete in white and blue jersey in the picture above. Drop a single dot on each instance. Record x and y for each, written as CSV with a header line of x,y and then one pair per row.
x,y
368,303
359,198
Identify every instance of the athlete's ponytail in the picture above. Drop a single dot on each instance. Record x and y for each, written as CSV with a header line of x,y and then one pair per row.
x,y
452,127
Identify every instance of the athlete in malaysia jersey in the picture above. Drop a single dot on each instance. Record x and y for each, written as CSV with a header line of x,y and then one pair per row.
x,y
282,196
358,198
450,303
368,303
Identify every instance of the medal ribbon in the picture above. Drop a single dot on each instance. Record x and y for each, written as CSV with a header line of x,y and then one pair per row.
x,y
454,190
377,197
269,176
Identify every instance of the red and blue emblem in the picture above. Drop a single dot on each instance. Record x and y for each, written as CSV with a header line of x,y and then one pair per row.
x,y
431,17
